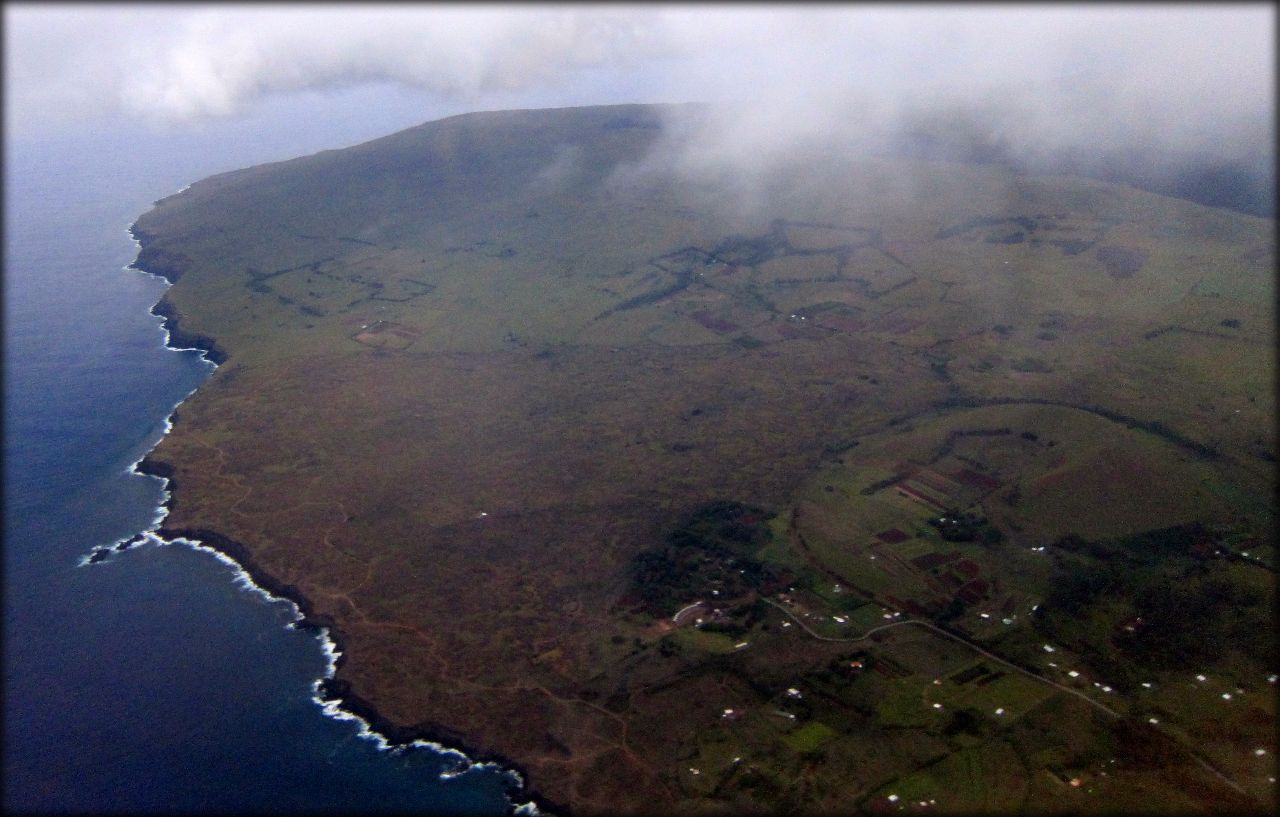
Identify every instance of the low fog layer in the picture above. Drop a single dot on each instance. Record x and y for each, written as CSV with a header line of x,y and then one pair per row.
x,y
1151,94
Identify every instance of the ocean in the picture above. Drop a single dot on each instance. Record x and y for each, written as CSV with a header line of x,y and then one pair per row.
x,y
155,680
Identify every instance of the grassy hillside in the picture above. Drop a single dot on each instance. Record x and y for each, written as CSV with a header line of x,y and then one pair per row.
x,y
482,374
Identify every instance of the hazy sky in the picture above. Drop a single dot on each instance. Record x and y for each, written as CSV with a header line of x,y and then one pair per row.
x,y
1046,76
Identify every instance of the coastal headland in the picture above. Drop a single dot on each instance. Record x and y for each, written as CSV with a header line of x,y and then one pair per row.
x,y
501,395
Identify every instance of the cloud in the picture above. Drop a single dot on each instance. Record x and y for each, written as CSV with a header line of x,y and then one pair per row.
x,y
187,64
1044,78
1032,81
1142,94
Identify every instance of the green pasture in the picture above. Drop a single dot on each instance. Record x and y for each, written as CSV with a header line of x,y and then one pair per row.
x,y
704,641
985,779
810,737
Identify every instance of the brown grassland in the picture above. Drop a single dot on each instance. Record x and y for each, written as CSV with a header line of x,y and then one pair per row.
x,y
496,425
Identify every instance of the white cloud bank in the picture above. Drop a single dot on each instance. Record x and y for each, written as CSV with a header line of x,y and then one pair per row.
x,y
1049,77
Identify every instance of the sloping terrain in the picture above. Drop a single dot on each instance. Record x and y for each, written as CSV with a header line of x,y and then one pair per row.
x,y
603,469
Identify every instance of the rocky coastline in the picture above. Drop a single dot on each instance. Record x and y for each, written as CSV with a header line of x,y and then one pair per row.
x,y
331,689
153,260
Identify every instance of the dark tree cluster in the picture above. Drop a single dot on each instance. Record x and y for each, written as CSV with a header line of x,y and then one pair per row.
x,y
1180,610
955,526
1148,547
713,550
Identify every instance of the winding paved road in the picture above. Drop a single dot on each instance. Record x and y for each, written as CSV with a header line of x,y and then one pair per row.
x,y
938,630
1206,765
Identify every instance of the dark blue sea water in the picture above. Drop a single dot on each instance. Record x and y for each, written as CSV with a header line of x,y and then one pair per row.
x,y
151,681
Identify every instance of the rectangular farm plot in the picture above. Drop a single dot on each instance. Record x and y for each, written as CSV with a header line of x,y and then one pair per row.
x,y
928,498
877,273
904,705
694,639
985,779
678,330
998,688
954,481
810,737
866,617
798,269
927,655
854,550
865,516
871,570
794,298
908,550
320,287
808,237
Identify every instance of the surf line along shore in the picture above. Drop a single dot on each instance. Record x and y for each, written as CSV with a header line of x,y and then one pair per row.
x,y
333,697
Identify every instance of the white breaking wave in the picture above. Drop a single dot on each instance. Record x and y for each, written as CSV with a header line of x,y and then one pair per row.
x,y
241,578
333,707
